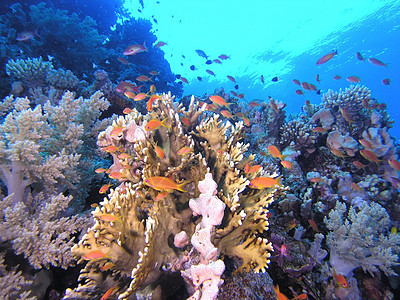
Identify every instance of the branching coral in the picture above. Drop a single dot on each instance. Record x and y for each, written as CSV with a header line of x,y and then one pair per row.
x,y
32,71
134,231
41,163
360,237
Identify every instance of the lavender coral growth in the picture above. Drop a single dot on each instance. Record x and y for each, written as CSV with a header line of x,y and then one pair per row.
x,y
361,239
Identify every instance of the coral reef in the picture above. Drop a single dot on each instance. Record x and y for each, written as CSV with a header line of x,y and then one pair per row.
x,y
136,225
362,239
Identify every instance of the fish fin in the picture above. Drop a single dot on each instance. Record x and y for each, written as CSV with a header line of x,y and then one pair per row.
x,y
163,124
179,188
279,181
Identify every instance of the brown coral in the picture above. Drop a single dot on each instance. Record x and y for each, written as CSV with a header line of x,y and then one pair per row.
x,y
139,238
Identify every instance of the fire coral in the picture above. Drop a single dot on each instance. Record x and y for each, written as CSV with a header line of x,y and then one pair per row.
x,y
140,246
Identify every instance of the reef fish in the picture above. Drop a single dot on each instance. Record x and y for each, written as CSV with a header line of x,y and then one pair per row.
x,y
95,254
395,164
143,78
104,188
279,295
164,184
218,100
377,62
274,151
359,56
201,53
326,58
370,156
265,182
337,77
223,56
341,280
160,44
295,81
299,92
210,72
25,36
135,49
353,79
155,123
386,81
231,78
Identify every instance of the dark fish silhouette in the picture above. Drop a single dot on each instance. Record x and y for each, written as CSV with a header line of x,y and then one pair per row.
x,y
192,67
209,62
202,53
199,78
178,76
237,86
275,79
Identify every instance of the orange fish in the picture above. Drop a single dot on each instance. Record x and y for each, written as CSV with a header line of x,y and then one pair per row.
x,y
135,49
326,58
265,182
313,225
395,164
231,78
117,131
316,179
290,225
254,104
184,150
279,295
246,121
338,153
26,36
159,152
286,164
115,175
252,169
274,151
124,156
226,113
185,121
161,196
299,92
358,165
302,296
105,188
124,61
100,170
160,44
366,144
111,148
355,187
140,97
109,218
370,156
153,73
160,183
295,81
151,101
353,79
130,94
95,254
143,78
107,266
125,86
152,87
377,62
218,100
341,280
346,115
319,129
240,96
155,123
127,110
108,293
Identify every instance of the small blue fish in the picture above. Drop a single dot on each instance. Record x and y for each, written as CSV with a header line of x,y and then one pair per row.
x,y
202,53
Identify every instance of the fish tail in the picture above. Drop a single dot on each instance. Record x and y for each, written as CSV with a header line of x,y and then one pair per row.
x,y
279,181
179,187
144,47
163,124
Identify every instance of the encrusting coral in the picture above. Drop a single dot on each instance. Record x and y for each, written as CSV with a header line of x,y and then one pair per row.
x,y
144,226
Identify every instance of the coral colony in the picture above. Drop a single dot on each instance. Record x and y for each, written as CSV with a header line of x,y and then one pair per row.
x,y
148,195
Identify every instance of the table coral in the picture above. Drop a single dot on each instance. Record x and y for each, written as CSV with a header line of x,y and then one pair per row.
x,y
138,238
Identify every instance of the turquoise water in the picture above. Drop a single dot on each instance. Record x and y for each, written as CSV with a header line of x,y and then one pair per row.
x,y
280,39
